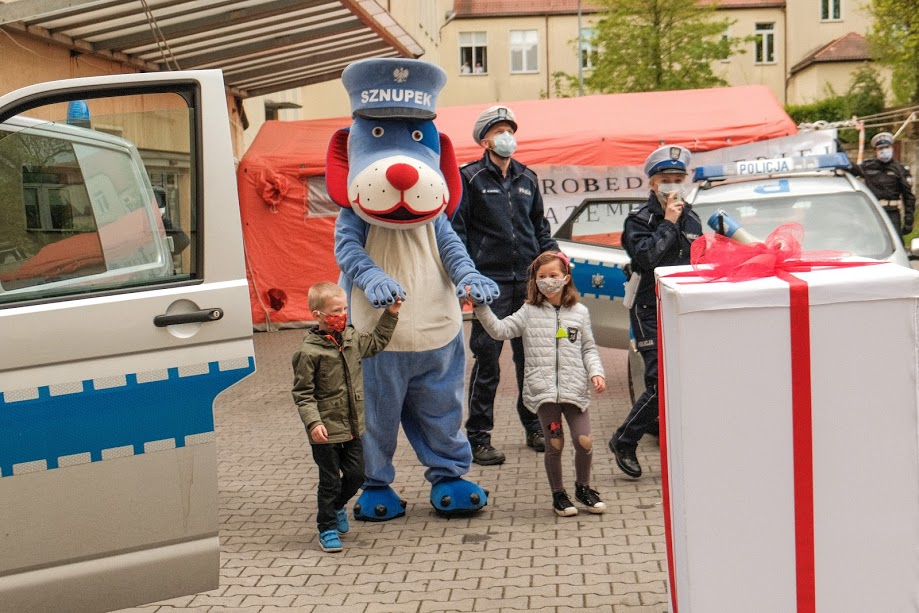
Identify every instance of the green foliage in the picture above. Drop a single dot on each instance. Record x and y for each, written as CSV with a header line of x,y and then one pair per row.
x,y
895,43
655,45
865,96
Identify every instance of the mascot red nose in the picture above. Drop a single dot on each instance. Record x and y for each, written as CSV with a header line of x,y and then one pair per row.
x,y
396,178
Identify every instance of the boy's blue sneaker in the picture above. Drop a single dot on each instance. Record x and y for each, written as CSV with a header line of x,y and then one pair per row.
x,y
343,526
329,541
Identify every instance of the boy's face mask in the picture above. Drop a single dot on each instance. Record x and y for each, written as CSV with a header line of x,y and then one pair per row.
x,y
334,322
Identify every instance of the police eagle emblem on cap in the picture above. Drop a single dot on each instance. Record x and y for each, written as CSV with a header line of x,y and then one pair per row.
x,y
400,75
675,153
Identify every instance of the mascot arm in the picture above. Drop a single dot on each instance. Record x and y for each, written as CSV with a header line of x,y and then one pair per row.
x,y
459,265
505,329
350,237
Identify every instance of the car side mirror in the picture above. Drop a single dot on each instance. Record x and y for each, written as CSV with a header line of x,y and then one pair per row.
x,y
914,249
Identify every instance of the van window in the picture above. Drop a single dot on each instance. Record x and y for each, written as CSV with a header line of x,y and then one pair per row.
x,y
78,211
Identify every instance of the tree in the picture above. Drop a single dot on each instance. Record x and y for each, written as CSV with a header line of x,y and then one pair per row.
x,y
655,45
895,43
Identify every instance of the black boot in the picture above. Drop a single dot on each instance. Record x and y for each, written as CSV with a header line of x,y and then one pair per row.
x,y
625,458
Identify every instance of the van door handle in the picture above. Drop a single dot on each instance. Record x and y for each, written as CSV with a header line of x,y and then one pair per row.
x,y
204,315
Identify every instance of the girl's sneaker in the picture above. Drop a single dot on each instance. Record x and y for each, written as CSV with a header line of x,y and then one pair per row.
x,y
561,504
341,516
589,498
329,541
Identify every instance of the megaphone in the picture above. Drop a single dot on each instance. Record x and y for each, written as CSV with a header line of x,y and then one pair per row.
x,y
724,224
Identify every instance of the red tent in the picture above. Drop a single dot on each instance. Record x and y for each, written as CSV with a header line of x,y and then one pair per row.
x,y
289,235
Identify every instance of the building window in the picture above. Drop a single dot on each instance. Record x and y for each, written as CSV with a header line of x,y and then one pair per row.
x,y
473,53
588,51
524,50
765,43
830,10
726,46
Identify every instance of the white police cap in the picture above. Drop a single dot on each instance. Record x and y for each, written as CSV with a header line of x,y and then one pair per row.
x,y
668,159
393,88
882,139
490,117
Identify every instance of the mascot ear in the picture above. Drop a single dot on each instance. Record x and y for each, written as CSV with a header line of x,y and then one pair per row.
x,y
336,168
451,174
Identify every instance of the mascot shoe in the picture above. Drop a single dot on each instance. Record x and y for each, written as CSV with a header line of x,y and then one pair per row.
x,y
457,496
378,504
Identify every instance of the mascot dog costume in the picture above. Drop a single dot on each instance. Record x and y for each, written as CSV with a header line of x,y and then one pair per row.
x,y
397,182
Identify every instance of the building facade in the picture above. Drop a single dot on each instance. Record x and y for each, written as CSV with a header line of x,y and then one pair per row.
x,y
506,50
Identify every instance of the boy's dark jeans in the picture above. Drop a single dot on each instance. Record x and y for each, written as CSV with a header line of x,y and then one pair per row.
x,y
341,474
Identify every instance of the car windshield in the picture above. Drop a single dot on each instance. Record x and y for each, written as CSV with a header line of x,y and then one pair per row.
x,y
841,221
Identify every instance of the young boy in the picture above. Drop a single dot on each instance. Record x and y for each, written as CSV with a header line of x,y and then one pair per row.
x,y
329,393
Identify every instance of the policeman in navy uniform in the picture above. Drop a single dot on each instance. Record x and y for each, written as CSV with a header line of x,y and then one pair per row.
x,y
503,225
657,234
890,182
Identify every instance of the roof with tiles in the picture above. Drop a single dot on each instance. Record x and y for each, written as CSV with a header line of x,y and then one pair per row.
x,y
851,47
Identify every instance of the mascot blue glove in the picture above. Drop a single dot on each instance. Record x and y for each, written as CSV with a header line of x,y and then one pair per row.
x,y
481,289
381,289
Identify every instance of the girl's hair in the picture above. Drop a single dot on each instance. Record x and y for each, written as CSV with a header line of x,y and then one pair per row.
x,y
570,294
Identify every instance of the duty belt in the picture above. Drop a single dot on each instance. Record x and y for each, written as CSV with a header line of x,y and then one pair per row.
x,y
890,205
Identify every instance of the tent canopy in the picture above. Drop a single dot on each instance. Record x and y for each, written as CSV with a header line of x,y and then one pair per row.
x,y
289,232
601,130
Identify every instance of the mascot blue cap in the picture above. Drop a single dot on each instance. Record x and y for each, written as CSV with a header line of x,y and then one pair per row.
x,y
393,88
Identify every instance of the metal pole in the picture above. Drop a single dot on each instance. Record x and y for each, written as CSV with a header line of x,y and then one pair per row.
x,y
580,55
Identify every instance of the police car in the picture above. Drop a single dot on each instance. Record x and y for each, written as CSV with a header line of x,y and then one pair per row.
x,y
113,349
836,209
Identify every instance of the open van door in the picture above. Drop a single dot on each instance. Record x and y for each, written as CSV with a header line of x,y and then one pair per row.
x,y
115,343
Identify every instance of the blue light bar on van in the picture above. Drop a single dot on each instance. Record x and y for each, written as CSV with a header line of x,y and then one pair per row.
x,y
774,166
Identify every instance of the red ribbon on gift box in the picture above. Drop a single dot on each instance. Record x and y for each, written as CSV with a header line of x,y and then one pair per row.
x,y
717,258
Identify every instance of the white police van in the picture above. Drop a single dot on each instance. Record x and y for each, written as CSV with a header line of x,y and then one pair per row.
x,y
114,350
837,211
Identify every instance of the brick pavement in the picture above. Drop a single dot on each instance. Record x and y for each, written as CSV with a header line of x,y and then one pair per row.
x,y
515,555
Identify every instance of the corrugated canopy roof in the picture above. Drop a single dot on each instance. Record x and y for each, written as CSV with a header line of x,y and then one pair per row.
x,y
262,46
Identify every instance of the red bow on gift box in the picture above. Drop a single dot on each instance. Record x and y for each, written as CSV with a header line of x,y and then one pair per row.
x,y
719,258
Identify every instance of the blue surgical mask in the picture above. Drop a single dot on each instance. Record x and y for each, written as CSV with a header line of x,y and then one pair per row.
x,y
505,144
885,154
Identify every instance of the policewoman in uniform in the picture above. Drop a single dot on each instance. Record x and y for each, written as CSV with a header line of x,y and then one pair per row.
x,y
657,234
503,225
890,182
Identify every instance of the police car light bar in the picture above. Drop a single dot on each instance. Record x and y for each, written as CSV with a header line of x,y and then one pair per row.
x,y
772,166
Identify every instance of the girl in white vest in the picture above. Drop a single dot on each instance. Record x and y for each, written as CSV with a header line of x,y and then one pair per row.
x,y
561,365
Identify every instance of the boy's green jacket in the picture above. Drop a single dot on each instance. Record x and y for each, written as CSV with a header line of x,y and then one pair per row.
x,y
329,384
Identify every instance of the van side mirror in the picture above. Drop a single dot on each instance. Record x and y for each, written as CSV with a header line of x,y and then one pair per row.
x,y
914,249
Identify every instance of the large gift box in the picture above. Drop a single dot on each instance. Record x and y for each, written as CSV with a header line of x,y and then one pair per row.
x,y
789,440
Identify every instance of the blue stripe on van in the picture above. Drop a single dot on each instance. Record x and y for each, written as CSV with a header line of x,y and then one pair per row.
x,y
49,427
598,280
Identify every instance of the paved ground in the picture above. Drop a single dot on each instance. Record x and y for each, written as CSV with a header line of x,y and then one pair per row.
x,y
515,555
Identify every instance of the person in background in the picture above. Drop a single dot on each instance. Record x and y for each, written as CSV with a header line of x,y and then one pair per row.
x,y
329,393
658,234
465,69
890,182
562,366
501,221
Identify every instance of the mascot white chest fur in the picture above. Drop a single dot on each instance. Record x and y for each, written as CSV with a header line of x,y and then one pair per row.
x,y
397,180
